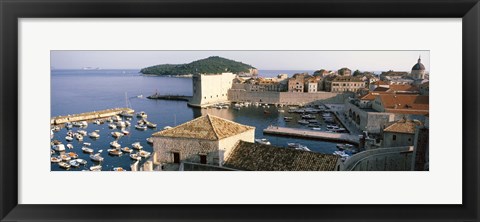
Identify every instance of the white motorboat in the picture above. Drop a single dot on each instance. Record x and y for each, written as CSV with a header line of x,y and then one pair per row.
x,y
77,124
115,144
118,169
81,161
55,159
87,150
125,132
121,124
150,140
167,127
68,138
140,127
64,165
96,168
126,114
142,114
97,122
263,141
137,145
59,147
96,157
114,152
79,137
135,156
68,125
316,128
304,148
116,118
82,132
69,146
74,163
303,122
144,154
127,123
65,157
117,134
236,108
126,150
94,135
151,125
52,152
112,126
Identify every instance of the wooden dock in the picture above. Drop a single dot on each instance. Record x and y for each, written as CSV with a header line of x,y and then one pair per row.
x,y
311,134
89,115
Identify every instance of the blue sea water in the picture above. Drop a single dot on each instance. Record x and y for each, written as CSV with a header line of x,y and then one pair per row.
x,y
77,91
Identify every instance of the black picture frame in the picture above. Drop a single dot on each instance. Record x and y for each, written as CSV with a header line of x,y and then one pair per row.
x,y
12,10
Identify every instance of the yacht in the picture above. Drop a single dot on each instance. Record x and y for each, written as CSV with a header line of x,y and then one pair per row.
x,y
59,147
117,134
115,144
96,157
140,127
144,154
150,140
142,114
64,165
126,150
137,145
96,168
263,141
94,135
87,150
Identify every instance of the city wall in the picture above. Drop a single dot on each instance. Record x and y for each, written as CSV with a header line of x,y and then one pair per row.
x,y
286,98
382,159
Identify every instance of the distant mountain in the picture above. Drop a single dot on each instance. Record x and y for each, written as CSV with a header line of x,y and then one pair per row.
x,y
210,65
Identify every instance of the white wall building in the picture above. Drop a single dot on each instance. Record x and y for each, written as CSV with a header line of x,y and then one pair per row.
x,y
210,89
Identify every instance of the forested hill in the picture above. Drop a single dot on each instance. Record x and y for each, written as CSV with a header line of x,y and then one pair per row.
x,y
210,65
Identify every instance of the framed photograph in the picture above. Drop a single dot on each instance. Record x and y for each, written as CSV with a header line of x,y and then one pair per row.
x,y
226,110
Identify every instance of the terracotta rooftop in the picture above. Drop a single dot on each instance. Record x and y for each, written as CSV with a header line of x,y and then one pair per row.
x,y
403,126
259,157
408,104
205,127
370,96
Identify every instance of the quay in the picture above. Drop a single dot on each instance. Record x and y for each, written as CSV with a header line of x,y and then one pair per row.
x,y
170,97
89,115
302,133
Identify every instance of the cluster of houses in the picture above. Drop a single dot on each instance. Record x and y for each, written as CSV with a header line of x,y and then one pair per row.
x,y
391,111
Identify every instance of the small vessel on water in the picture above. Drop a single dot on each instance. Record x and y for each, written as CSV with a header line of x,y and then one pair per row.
x,y
144,154
137,145
135,156
117,134
68,125
96,157
115,144
72,155
55,159
87,150
125,132
68,138
150,140
59,147
81,161
304,122
82,132
79,137
112,126
74,163
96,168
151,125
65,157
167,127
64,165
142,114
140,127
118,169
94,135
263,141
126,150
115,152
69,146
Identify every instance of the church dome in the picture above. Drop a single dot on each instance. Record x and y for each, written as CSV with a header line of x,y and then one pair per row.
x,y
418,66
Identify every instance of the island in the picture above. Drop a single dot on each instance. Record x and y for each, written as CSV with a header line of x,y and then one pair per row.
x,y
210,65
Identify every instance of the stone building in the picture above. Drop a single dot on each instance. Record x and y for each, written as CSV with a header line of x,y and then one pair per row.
x,y
418,70
206,140
296,83
311,85
341,84
210,89
400,133
402,104
259,157
392,75
344,72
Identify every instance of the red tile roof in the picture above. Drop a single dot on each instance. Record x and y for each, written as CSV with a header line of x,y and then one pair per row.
x,y
407,104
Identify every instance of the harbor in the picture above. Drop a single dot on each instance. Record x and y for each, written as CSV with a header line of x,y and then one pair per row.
x,y
101,114
311,134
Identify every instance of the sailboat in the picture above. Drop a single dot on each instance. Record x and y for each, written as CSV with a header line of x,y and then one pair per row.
x,y
127,103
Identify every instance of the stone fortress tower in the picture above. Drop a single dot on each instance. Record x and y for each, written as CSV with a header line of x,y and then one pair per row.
x,y
418,70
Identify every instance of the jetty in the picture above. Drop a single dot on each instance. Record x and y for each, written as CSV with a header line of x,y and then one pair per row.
x,y
90,115
170,97
311,134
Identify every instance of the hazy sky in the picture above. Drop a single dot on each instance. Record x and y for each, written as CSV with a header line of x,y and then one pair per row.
x,y
279,60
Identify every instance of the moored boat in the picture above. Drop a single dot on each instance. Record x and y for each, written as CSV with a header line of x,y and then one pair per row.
x,y
94,135
150,140
118,169
115,152
112,126
69,146
74,163
55,159
115,144
140,127
117,134
87,150
142,114
263,141
126,150
96,168
137,145
64,165
135,156
96,157
81,161
144,154
59,147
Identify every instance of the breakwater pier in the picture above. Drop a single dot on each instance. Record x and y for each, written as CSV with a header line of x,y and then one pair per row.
x,y
302,133
170,97
90,115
